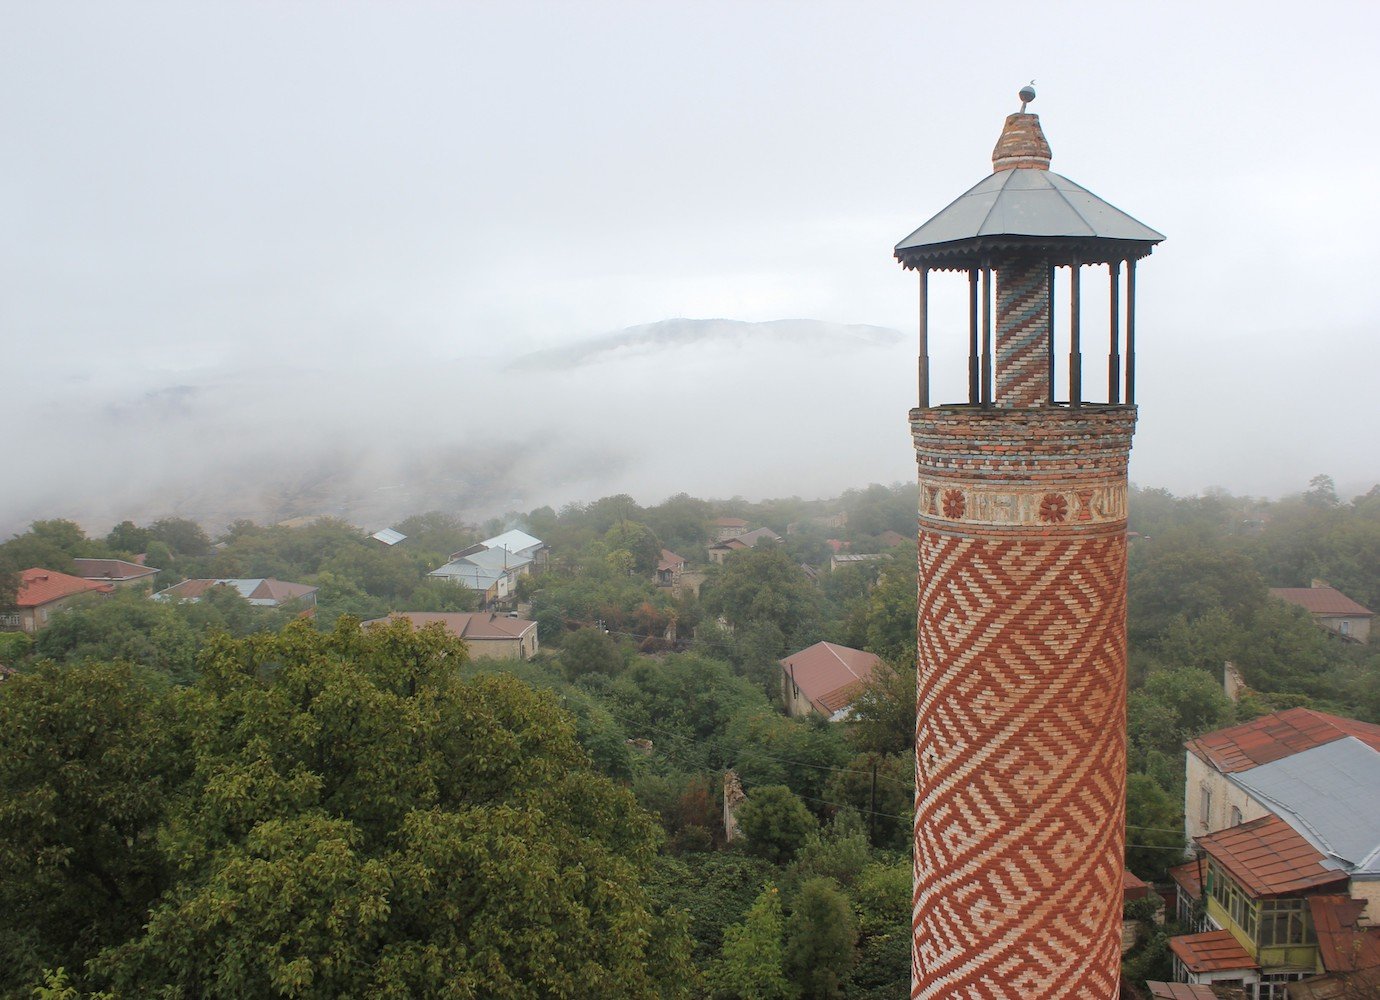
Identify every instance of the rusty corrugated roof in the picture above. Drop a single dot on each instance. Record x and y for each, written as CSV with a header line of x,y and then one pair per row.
x,y
1269,858
1185,876
1180,991
1211,951
1343,944
1280,734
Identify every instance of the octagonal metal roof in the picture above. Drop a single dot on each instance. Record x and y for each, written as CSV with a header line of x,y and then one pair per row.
x,y
1027,208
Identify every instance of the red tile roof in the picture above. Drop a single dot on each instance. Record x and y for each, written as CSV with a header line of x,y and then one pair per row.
x,y
830,676
40,586
1212,951
669,561
1133,887
1343,943
479,625
112,569
1268,857
1278,735
1185,876
1320,600
1180,991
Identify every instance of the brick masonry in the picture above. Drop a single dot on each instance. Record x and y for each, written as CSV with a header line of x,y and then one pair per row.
x,y
1023,333
1020,722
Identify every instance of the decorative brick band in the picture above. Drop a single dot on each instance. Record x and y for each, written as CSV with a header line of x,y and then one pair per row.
x,y
965,507
1048,444
1020,766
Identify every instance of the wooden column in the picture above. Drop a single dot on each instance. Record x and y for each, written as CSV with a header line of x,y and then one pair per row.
x,y
1131,332
973,390
1114,332
986,334
1075,335
924,360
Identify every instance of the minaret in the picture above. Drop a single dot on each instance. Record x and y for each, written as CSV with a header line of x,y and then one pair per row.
x,y
1020,732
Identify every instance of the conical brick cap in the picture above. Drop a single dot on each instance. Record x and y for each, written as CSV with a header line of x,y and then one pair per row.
x,y
1022,144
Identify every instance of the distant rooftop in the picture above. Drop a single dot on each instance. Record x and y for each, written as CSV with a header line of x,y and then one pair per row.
x,y
513,541
1280,734
829,675
112,570
478,625
1321,600
388,536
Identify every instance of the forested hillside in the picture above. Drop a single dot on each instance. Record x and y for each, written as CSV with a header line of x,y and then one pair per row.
x,y
214,799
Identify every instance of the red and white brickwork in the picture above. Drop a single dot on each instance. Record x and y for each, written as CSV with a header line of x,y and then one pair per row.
x,y
1023,319
1020,728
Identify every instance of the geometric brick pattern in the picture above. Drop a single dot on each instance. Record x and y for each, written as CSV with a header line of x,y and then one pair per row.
x,y
1023,333
1020,763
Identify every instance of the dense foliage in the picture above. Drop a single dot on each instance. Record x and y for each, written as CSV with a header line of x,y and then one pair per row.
x,y
212,799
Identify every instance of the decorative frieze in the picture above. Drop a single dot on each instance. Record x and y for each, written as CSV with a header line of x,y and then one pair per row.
x,y
1009,505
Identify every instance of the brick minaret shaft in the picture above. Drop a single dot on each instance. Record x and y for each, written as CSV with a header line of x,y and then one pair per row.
x,y
1020,727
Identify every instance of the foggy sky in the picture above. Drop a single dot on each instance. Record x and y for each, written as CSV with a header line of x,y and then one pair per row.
x,y
249,246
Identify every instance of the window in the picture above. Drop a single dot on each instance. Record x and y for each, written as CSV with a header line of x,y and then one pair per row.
x,y
1285,921
1205,805
1273,985
1345,628
1230,897
1235,816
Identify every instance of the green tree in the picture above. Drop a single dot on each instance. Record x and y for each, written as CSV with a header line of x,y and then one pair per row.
x,y
775,823
763,585
637,540
820,938
358,818
127,538
883,719
88,758
749,967
1154,828
590,651
183,537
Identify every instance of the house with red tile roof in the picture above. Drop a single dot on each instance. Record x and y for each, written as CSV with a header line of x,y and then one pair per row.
x,y
41,594
721,550
669,568
490,636
1330,608
1285,812
824,679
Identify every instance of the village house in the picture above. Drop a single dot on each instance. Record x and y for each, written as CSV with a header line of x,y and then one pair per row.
x,y
489,636
521,545
725,528
1285,813
43,593
825,679
721,550
1330,608
262,592
116,572
669,569
491,573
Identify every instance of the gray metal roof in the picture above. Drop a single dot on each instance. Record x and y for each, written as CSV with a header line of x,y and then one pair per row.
x,y
1027,206
1329,794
